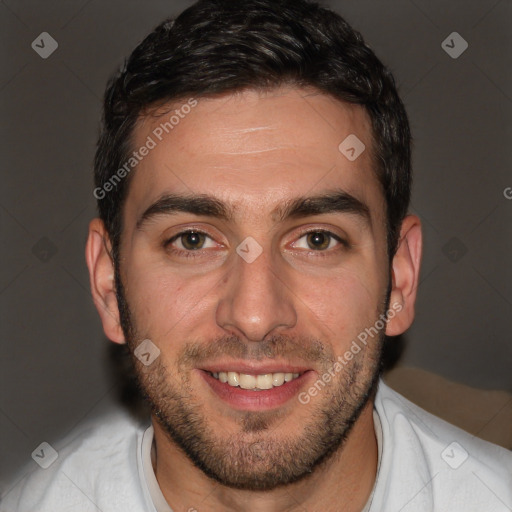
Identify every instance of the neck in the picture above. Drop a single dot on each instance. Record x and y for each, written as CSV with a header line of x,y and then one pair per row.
x,y
343,482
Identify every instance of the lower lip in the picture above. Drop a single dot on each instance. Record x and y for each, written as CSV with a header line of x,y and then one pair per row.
x,y
248,400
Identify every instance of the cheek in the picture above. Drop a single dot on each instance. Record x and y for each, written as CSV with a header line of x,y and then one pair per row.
x,y
166,304
345,302
156,298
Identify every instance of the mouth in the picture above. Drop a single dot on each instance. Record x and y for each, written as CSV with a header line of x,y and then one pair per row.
x,y
255,382
252,390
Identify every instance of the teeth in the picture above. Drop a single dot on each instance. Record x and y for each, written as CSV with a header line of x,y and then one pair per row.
x,y
233,378
264,381
255,382
247,381
278,379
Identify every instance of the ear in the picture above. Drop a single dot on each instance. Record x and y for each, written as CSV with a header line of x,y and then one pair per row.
x,y
405,276
101,275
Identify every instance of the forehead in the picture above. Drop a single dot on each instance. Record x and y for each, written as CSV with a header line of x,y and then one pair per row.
x,y
253,150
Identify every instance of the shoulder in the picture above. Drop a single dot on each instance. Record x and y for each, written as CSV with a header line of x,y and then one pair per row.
x,y
95,464
429,464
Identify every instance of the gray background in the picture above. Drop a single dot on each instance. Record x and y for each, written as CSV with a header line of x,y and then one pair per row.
x,y
54,370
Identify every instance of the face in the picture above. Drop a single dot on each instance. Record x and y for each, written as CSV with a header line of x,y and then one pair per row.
x,y
254,252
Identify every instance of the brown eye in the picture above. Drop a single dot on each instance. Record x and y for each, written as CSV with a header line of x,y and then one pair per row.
x,y
192,240
318,240
190,245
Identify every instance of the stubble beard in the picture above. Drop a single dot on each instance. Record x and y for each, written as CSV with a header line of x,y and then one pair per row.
x,y
257,457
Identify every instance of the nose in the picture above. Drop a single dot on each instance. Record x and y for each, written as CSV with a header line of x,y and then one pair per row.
x,y
255,302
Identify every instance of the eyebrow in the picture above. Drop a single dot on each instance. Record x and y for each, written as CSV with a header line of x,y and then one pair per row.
x,y
336,201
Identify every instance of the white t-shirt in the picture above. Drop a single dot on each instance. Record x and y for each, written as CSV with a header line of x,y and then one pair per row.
x,y
425,464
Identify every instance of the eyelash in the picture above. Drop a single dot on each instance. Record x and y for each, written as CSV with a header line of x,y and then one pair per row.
x,y
198,252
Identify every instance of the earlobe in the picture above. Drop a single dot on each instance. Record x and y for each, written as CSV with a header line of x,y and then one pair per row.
x,y
405,274
101,276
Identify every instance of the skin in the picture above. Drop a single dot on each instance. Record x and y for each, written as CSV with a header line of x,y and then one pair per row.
x,y
254,151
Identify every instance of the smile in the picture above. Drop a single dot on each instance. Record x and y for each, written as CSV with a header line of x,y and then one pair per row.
x,y
254,382
256,391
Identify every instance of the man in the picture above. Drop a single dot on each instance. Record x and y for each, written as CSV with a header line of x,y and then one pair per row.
x,y
253,251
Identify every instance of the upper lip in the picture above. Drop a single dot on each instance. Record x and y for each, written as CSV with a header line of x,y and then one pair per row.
x,y
256,368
